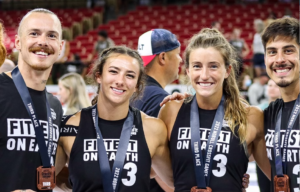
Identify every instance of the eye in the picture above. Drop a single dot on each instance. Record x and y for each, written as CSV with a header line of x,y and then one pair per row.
x,y
196,66
271,52
52,36
131,76
33,34
113,71
289,50
214,66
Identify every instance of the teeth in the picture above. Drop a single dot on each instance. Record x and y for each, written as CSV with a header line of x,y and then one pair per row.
x,y
117,90
282,70
41,53
205,84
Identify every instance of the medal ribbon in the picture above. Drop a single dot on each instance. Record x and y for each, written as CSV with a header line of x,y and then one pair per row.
x,y
203,172
111,179
45,151
279,160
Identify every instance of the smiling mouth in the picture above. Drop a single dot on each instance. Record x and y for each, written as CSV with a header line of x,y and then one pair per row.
x,y
205,84
282,70
41,53
118,90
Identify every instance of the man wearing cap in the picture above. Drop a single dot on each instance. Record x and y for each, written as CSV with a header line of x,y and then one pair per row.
x,y
160,51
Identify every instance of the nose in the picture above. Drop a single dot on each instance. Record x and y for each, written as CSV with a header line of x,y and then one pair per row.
x,y
204,73
43,41
280,57
120,80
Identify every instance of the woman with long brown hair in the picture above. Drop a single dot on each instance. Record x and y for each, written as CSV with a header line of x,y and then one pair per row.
x,y
111,146
213,134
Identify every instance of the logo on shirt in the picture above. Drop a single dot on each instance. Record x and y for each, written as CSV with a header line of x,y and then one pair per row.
x,y
53,114
134,130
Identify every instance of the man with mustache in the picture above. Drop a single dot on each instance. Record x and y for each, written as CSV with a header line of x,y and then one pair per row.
x,y
282,134
30,116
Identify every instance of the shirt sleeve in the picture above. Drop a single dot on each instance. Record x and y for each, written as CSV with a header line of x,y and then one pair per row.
x,y
68,130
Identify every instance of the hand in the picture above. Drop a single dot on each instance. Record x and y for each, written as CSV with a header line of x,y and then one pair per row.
x,y
174,96
246,181
23,190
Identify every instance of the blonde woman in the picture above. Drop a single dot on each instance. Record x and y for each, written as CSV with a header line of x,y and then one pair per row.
x,y
72,92
213,134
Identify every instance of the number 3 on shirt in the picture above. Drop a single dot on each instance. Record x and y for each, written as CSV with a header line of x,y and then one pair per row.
x,y
296,171
132,169
221,171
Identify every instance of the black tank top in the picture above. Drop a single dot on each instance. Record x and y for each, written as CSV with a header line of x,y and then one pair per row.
x,y
293,152
229,163
84,167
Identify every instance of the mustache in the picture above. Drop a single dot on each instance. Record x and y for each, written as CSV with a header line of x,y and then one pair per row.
x,y
41,48
284,65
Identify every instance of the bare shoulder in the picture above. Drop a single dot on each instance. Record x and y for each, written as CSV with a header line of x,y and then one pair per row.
x,y
75,119
153,125
254,112
170,108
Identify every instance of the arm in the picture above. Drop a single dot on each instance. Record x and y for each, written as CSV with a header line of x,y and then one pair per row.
x,y
61,158
259,152
161,161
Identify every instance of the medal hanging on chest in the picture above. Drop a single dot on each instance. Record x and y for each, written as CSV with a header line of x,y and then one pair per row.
x,y
194,189
46,178
203,177
46,173
281,184
281,180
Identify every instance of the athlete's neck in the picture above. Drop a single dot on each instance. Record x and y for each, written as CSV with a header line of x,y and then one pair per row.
x,y
34,79
291,92
110,111
209,103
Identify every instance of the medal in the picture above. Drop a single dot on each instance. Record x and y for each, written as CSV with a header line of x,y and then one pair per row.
x,y
46,178
194,189
281,184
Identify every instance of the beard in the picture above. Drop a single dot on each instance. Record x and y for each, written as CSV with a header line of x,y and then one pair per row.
x,y
283,83
39,68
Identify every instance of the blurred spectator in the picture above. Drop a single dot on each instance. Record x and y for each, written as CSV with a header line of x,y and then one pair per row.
x,y
258,48
103,42
257,91
57,69
288,13
244,85
72,93
2,47
273,93
7,65
216,25
272,16
240,46
74,65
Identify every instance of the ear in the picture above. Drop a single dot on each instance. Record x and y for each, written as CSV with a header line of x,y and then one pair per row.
x,y
228,71
98,78
187,72
61,45
18,42
162,58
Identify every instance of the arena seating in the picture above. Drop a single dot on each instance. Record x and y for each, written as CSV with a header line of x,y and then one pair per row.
x,y
184,21
70,18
